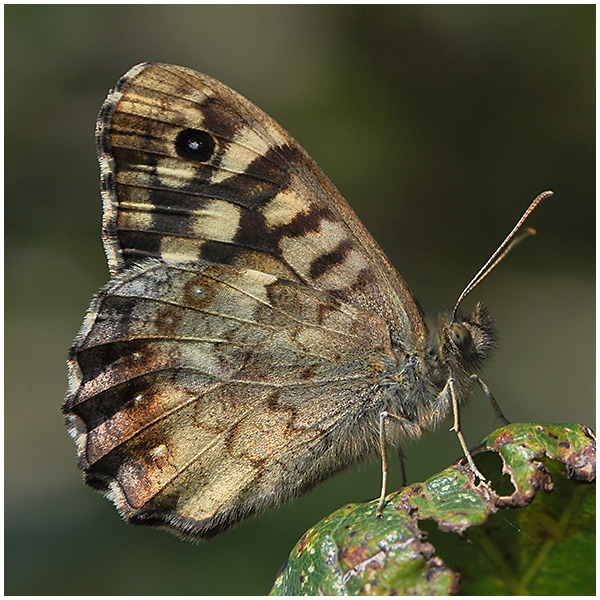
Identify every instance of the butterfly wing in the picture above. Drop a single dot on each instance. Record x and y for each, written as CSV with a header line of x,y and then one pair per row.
x,y
202,393
191,169
236,357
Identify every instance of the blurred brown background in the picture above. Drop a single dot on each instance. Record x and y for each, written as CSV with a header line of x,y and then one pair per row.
x,y
439,124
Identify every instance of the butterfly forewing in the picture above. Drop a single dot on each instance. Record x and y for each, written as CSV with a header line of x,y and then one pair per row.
x,y
191,170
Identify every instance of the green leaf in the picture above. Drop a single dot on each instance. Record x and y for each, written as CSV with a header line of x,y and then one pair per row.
x,y
454,532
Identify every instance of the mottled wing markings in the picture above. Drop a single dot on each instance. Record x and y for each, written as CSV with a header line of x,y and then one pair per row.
x,y
186,366
252,332
258,201
239,353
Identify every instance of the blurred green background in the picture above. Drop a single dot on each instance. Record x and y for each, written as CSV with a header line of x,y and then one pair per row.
x,y
439,124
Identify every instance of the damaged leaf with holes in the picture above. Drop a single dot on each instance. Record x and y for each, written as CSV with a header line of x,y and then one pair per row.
x,y
530,531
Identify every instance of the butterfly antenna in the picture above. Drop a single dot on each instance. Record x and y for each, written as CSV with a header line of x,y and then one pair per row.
x,y
512,239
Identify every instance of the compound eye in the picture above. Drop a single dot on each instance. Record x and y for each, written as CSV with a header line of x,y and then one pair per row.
x,y
461,337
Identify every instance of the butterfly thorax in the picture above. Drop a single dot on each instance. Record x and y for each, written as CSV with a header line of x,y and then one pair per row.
x,y
452,349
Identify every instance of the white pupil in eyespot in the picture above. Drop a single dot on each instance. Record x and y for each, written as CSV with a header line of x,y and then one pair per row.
x,y
159,451
194,145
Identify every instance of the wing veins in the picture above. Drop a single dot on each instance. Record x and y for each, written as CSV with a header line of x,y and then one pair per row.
x,y
276,309
140,167
266,140
217,438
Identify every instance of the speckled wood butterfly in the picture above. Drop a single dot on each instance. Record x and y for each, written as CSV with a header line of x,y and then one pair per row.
x,y
253,337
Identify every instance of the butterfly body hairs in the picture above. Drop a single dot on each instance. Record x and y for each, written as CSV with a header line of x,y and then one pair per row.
x,y
253,339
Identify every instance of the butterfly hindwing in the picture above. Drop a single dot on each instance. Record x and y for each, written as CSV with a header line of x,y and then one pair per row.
x,y
182,373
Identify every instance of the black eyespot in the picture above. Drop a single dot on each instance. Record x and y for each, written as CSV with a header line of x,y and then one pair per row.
x,y
461,337
195,145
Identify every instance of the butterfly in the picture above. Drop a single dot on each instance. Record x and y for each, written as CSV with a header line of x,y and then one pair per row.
x,y
253,336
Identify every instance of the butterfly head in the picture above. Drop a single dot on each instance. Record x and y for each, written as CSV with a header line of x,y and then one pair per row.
x,y
470,339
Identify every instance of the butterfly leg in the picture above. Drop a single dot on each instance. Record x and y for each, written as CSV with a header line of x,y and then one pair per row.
x,y
491,399
401,458
456,428
384,459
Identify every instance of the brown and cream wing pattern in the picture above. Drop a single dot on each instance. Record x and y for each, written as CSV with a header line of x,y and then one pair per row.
x,y
237,355
202,393
191,169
